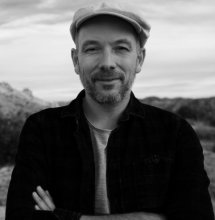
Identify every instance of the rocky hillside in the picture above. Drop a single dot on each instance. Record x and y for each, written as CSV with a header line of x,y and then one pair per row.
x,y
202,109
14,102
15,107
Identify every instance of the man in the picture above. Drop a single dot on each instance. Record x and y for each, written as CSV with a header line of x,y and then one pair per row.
x,y
106,155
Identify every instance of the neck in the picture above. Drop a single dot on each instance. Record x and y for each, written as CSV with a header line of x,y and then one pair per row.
x,y
104,116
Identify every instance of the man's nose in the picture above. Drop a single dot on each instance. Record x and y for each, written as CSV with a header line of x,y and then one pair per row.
x,y
107,60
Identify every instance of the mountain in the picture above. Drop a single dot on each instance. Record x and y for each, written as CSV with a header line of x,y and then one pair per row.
x,y
14,102
201,109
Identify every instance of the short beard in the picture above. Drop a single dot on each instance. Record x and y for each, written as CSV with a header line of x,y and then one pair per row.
x,y
109,99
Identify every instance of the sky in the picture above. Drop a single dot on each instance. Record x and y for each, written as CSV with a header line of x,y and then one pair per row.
x,y
35,47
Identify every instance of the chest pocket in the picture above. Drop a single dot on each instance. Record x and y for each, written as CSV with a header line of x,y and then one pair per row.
x,y
152,177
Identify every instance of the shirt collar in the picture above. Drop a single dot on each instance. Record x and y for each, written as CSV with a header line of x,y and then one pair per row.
x,y
134,108
74,109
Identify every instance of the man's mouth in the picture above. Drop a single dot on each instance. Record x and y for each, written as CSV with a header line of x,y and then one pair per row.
x,y
107,79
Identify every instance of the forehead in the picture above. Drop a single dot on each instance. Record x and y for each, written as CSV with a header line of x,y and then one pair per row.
x,y
105,27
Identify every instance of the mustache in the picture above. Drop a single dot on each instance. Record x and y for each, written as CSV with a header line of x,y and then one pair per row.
x,y
107,75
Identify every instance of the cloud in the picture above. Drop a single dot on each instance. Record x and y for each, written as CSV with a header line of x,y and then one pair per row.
x,y
13,10
21,4
177,11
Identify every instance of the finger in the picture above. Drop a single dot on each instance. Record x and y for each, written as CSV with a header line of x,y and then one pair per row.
x,y
36,207
49,195
42,205
47,192
46,198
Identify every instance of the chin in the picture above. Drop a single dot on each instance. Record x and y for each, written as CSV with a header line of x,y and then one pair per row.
x,y
108,97
112,98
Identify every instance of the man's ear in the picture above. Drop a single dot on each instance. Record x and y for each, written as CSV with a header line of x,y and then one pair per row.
x,y
74,55
140,59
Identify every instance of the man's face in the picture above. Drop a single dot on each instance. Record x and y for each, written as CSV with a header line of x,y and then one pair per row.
x,y
107,58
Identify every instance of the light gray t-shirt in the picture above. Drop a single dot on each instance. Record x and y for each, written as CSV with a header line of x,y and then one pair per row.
x,y
99,139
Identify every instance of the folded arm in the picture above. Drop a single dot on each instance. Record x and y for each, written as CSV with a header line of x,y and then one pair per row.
x,y
45,202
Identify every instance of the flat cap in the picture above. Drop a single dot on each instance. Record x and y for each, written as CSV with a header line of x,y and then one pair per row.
x,y
83,14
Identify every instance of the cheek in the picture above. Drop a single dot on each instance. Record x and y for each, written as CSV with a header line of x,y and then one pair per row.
x,y
88,64
129,65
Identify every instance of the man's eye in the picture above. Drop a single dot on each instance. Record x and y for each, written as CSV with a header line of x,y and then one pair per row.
x,y
121,48
91,49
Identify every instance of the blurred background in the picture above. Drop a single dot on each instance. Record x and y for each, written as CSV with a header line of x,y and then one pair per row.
x,y
36,69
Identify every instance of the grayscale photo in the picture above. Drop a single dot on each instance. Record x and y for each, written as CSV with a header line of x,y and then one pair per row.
x,y
107,110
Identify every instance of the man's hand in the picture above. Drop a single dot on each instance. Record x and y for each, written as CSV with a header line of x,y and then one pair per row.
x,y
43,200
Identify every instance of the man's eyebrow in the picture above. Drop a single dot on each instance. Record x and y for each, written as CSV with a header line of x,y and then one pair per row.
x,y
123,41
120,41
88,42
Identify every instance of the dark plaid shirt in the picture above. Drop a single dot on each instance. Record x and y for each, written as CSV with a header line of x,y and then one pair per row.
x,y
154,164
